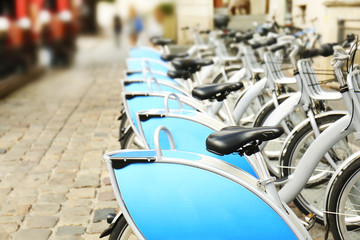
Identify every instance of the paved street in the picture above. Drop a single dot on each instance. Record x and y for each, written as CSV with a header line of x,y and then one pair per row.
x,y
53,132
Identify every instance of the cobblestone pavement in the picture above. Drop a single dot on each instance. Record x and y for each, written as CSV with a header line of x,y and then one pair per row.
x,y
53,133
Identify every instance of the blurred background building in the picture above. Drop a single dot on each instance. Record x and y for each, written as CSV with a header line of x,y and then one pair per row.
x,y
37,33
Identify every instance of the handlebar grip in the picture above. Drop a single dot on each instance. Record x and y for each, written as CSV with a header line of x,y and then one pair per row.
x,y
247,36
310,53
271,41
256,46
204,32
278,47
325,50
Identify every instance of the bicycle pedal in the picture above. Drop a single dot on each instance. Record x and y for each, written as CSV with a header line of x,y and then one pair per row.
x,y
310,220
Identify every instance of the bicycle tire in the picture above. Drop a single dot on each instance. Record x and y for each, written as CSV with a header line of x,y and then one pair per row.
x,y
287,163
121,230
266,111
124,124
229,72
129,141
342,185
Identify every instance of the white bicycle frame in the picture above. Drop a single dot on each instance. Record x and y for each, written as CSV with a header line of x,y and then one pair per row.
x,y
325,141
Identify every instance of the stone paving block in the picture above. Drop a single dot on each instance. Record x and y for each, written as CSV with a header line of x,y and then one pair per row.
x,y
4,191
74,220
106,181
51,189
45,209
70,231
107,196
76,211
47,164
52,198
14,210
81,193
107,204
92,236
78,202
38,234
73,237
98,227
84,181
3,150
62,179
67,167
24,191
23,200
91,164
5,236
101,214
37,178
41,221
9,227
11,219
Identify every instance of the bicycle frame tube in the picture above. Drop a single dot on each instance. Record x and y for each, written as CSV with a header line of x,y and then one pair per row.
x,y
313,155
283,110
248,98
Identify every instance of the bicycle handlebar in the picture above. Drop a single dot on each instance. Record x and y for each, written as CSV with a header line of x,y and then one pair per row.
x,y
268,42
275,48
325,50
243,37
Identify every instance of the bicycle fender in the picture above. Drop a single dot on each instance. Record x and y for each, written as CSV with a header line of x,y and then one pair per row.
x,y
284,109
302,125
111,227
238,76
248,97
312,156
341,168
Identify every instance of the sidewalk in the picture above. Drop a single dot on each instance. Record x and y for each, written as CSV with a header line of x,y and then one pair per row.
x,y
53,133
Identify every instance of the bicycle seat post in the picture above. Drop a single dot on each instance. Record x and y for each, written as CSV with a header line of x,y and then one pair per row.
x,y
265,179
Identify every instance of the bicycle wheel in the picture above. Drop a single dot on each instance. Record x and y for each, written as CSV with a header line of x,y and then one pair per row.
x,y
131,141
310,199
229,73
272,149
124,124
344,203
122,231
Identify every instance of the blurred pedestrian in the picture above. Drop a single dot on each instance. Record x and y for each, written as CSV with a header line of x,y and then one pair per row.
x,y
135,25
117,29
243,6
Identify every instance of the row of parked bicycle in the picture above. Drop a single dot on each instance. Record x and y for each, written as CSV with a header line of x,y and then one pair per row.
x,y
188,116
27,25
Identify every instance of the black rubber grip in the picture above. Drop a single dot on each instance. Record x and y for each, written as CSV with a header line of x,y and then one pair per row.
x,y
278,47
271,41
247,36
325,50
268,42
204,32
256,45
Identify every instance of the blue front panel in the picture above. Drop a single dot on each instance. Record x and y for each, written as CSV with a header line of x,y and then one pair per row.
x,y
144,53
142,103
140,76
144,87
172,201
137,65
188,136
